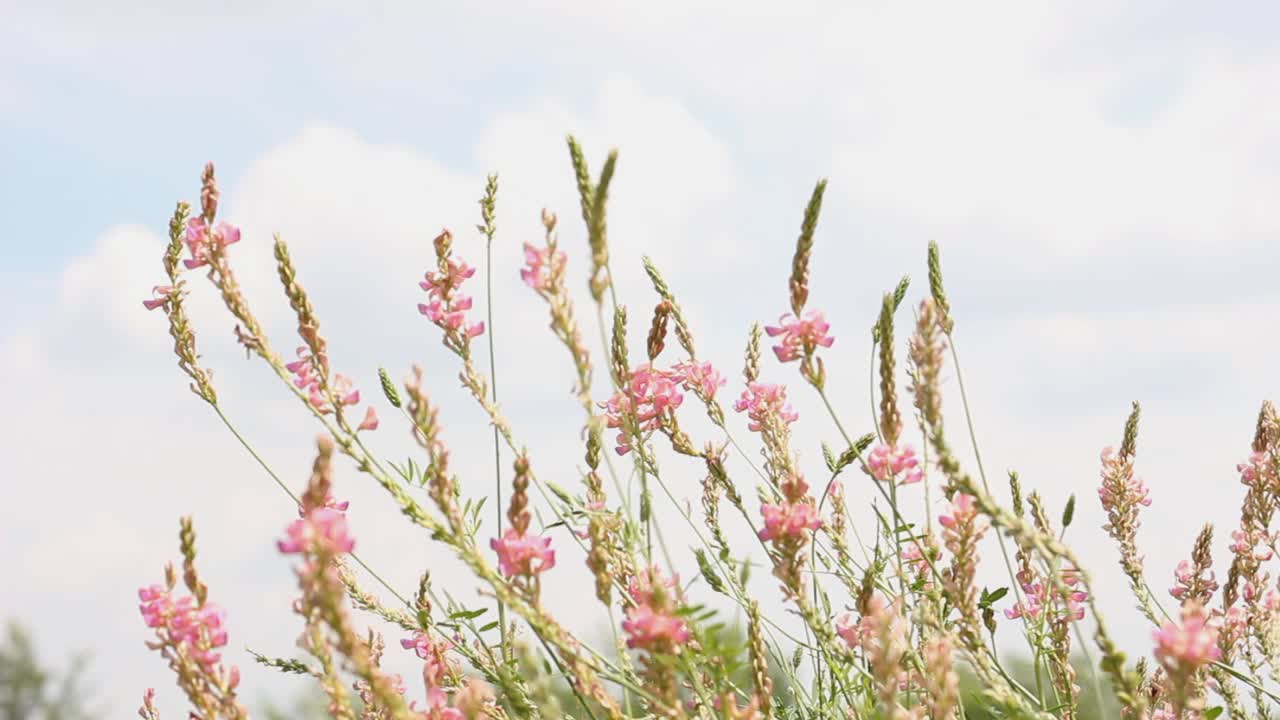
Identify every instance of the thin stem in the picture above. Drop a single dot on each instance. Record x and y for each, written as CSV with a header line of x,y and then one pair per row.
x,y
560,666
982,474
245,443
899,520
297,501
497,441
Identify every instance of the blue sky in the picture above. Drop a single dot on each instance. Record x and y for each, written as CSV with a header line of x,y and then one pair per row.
x,y
1102,182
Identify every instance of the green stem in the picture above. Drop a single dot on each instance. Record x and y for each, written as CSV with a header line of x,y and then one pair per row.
x,y
982,474
497,441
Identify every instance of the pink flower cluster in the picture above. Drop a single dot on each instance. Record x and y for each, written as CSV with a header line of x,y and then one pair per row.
x,y
1182,647
322,531
198,630
1268,601
890,463
306,378
649,393
1252,469
962,513
434,674
1251,545
913,557
787,520
852,629
762,401
448,307
863,633
523,554
699,378
652,623
541,264
1189,580
1121,491
800,337
1041,598
201,243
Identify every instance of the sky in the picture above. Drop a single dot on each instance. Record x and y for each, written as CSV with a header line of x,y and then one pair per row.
x,y
1101,179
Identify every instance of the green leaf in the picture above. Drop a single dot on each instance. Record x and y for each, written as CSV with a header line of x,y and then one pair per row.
x,y
991,596
1212,713
560,492
467,614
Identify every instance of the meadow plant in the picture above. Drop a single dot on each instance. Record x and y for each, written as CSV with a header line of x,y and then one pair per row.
x,y
880,625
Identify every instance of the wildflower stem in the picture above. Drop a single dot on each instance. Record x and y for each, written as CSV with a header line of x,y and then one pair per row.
x,y
297,501
254,453
899,520
982,473
489,230
822,393
560,667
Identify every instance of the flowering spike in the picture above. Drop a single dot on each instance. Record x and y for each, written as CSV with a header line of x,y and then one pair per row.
x,y
751,370
937,291
388,388
1129,446
799,281
890,420
488,204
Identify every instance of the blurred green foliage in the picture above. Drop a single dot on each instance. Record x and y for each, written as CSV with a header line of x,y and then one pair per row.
x,y
31,691
1022,670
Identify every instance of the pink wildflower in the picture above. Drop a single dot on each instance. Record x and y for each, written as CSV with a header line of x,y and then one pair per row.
x,y
652,622
852,629
540,265
161,293
322,531
1039,595
787,520
198,629
329,502
649,393
800,337
433,651
914,559
306,378
201,243
523,553
370,421
1252,469
1189,579
1250,546
435,672
762,401
646,628
345,390
1121,492
963,510
148,710
699,378
1183,647
889,463
447,307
